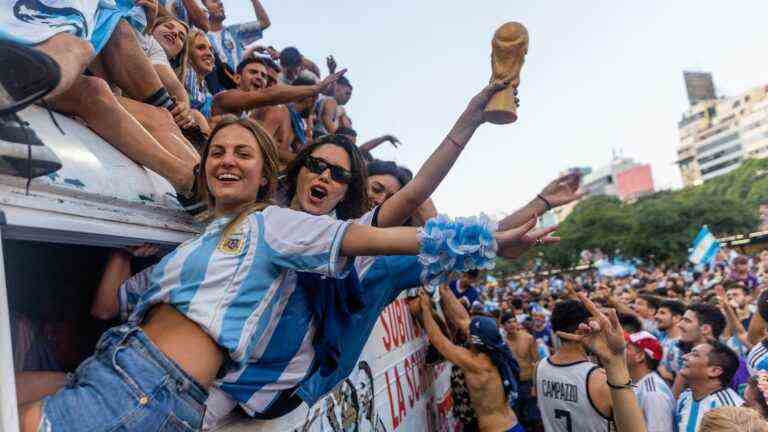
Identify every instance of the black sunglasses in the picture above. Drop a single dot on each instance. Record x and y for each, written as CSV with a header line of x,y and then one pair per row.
x,y
318,166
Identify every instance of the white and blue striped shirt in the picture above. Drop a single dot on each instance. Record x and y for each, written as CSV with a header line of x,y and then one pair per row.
x,y
229,43
236,289
690,411
286,359
757,359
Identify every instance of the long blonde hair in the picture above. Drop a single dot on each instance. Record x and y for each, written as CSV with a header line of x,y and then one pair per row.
x,y
270,169
179,62
729,418
193,34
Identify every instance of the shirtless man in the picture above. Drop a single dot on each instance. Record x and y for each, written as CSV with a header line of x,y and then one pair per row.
x,y
525,350
488,365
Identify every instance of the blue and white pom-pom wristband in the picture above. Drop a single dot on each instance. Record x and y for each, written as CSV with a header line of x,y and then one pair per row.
x,y
455,246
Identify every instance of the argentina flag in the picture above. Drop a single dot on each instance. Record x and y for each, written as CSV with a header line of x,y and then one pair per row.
x,y
705,247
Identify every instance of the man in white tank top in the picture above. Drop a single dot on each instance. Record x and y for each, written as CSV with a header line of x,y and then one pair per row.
x,y
572,392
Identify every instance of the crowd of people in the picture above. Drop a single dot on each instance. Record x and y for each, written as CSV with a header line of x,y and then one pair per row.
x,y
695,335
309,237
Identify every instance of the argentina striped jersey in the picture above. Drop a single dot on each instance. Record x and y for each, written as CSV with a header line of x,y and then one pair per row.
x,y
690,411
235,288
757,359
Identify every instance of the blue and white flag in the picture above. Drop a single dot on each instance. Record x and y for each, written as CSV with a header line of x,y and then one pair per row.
x,y
705,247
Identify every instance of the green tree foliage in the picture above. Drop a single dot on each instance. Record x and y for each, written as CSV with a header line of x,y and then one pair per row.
x,y
660,227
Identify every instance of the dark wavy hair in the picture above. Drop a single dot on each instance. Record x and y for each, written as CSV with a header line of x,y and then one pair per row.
x,y
355,202
380,167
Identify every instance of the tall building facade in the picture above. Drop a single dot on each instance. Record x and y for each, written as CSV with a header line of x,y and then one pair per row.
x,y
716,135
623,178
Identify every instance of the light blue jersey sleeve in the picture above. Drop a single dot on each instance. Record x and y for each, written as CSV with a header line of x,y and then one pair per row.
x,y
130,292
304,242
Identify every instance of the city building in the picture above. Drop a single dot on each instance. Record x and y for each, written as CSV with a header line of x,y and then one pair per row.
x,y
717,134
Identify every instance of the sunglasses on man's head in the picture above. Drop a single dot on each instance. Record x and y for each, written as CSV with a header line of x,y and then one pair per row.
x,y
318,166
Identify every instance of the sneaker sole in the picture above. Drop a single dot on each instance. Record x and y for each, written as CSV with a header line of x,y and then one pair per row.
x,y
26,76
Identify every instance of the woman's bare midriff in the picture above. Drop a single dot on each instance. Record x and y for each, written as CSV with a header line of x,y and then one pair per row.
x,y
184,342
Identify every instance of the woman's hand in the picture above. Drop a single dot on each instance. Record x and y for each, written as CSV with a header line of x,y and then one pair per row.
x,y
473,114
563,190
514,242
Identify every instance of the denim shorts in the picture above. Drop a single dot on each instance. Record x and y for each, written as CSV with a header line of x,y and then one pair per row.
x,y
127,385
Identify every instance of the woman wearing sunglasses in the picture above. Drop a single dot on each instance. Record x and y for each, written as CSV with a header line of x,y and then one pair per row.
x,y
329,178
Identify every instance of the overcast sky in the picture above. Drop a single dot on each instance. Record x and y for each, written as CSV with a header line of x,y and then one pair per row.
x,y
599,76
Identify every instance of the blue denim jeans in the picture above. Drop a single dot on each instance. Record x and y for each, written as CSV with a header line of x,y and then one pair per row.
x,y
127,385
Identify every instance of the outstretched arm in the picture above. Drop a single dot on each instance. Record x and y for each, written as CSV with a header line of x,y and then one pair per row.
x,y
261,14
397,209
561,191
235,101
457,355
198,15
365,240
372,144
454,310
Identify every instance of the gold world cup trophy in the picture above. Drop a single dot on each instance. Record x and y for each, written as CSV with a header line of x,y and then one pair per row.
x,y
509,47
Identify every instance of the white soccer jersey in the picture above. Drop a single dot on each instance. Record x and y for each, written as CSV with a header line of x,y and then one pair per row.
x,y
757,359
564,400
235,288
657,402
690,412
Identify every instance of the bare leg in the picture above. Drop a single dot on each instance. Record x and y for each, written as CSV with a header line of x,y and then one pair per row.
x,y
91,99
72,54
128,66
32,386
160,124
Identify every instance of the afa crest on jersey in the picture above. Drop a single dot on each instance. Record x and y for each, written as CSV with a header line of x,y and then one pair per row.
x,y
233,244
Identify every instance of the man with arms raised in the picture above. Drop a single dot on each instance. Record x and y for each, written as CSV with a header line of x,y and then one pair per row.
x,y
708,369
488,365
229,42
